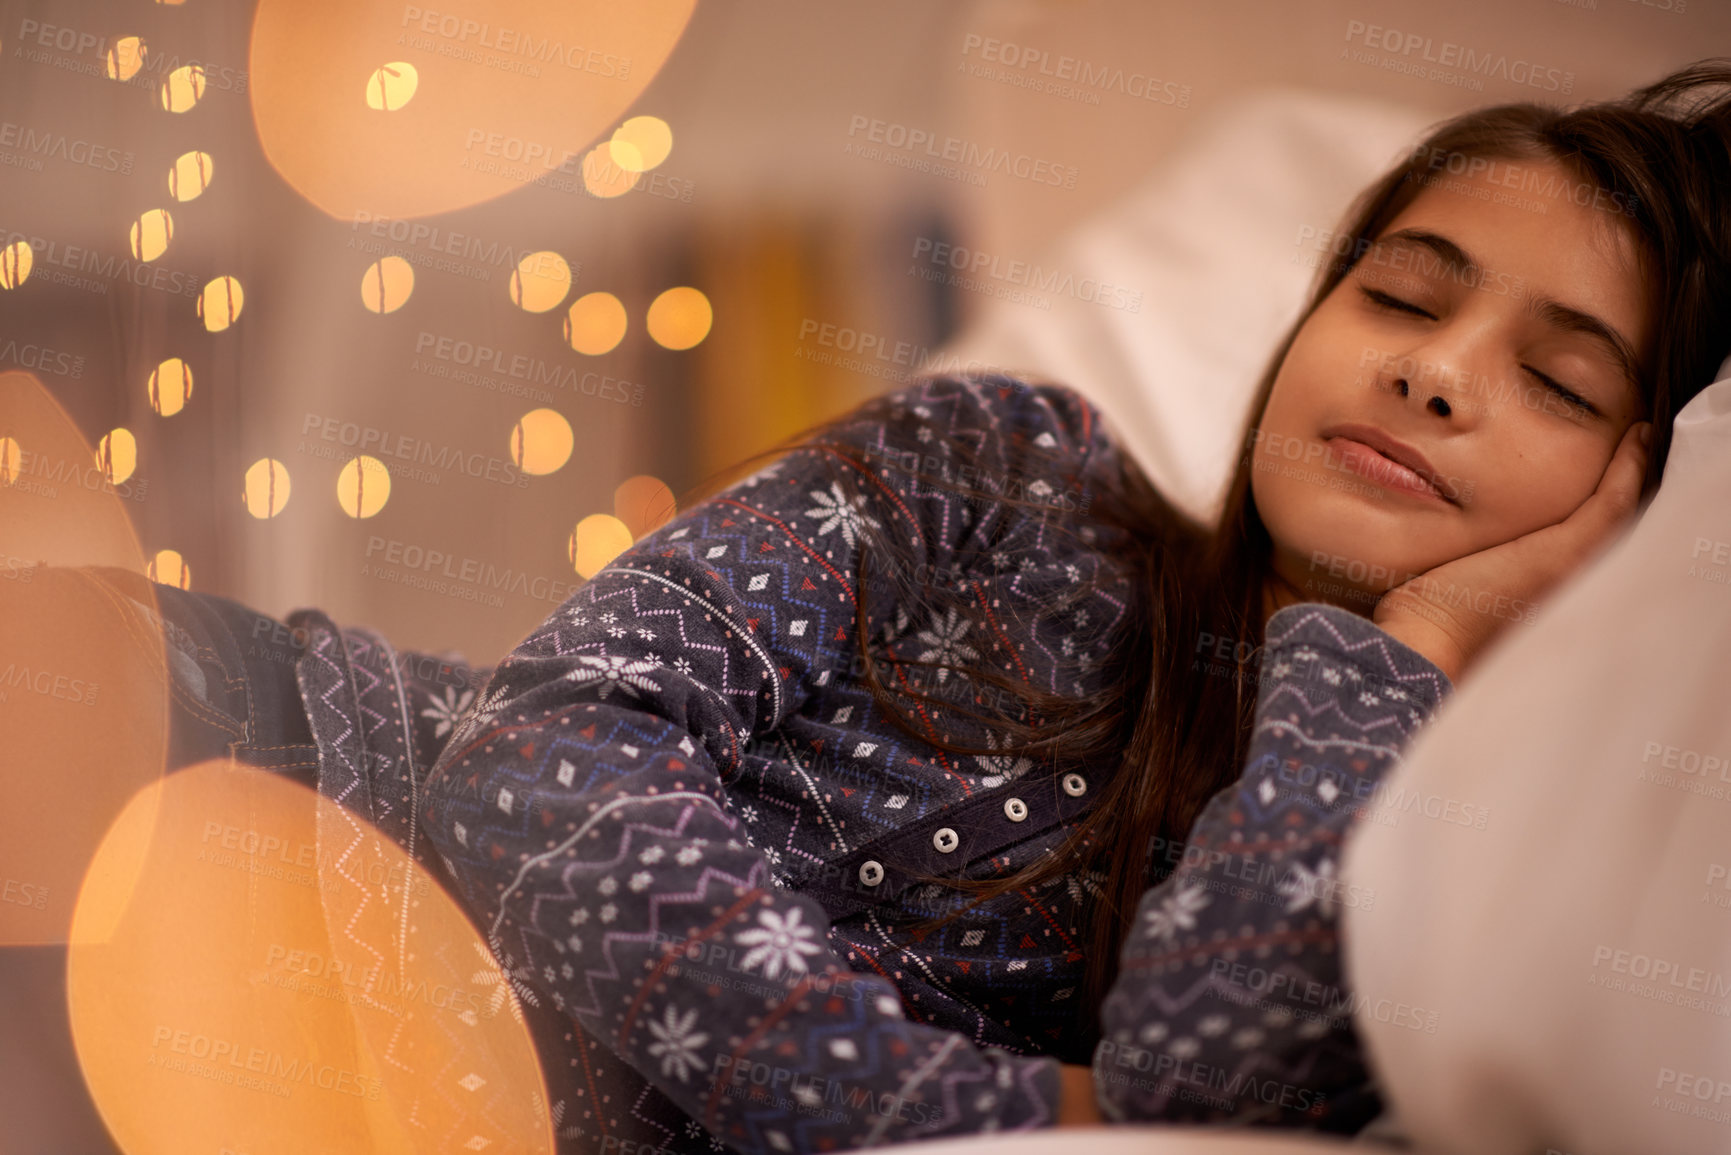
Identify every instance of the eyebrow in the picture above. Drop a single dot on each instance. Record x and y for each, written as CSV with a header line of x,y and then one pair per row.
x,y
1547,310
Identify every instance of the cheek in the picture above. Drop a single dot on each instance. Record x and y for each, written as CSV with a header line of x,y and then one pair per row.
x,y
1533,477
1290,402
1286,495
1285,457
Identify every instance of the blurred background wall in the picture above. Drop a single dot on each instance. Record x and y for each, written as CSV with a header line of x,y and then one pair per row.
x,y
790,200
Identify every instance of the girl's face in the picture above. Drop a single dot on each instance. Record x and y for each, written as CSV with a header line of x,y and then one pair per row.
x,y
1465,384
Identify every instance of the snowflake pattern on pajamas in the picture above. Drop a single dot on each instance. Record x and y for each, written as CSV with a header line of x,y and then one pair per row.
x,y
682,742
1230,1004
629,801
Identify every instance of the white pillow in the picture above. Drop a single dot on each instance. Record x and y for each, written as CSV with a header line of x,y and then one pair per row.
x,y
1220,243
1577,950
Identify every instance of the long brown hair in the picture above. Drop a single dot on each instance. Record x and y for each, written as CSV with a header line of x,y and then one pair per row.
x,y
1176,722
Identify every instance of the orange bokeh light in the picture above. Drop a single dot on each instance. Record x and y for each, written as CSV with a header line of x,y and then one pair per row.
x,y
81,741
256,968
500,98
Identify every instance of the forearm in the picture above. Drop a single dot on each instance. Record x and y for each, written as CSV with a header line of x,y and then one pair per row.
x,y
596,814
1423,637
632,901
1230,1003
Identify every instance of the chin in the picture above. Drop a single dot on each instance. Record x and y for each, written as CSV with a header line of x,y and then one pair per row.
x,y
1372,543
1349,568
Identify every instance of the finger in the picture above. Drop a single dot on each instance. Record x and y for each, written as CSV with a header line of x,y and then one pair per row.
x,y
1618,491
1621,483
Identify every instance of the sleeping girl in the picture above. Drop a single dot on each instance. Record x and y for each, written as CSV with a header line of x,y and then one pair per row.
x,y
938,777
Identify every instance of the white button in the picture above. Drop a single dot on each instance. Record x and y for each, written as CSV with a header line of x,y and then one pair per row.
x,y
1015,809
1075,785
871,872
946,840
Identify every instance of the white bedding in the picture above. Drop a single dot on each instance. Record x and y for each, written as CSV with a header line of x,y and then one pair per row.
x,y
1578,949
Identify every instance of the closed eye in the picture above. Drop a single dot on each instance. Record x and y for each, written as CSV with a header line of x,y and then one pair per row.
x,y
1563,391
1384,300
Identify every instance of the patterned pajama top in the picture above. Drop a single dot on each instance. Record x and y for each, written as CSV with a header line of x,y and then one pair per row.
x,y
703,854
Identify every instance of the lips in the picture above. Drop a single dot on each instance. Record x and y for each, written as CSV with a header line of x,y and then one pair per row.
x,y
1379,458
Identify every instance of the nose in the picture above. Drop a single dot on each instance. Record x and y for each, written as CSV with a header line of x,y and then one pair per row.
x,y
1444,369
1437,404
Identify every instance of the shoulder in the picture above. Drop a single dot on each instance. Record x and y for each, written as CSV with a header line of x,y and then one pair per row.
x,y
1029,427
1014,407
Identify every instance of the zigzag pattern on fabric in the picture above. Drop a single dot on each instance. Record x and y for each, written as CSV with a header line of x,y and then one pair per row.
x,y
1230,1005
710,661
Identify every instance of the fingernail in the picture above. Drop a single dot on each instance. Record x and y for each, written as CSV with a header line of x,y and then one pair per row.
x,y
1646,434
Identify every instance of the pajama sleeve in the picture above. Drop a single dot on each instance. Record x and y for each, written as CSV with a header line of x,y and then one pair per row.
x,y
1230,1004
583,809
